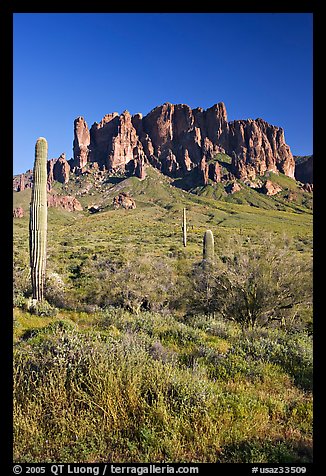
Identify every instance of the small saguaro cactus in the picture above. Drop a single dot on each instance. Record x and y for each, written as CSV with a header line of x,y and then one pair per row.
x,y
208,246
38,220
184,228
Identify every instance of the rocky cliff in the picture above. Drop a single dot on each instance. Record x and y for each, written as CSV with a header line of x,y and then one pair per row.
x,y
177,139
304,169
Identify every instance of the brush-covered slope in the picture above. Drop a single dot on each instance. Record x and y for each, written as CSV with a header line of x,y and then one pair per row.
x,y
94,380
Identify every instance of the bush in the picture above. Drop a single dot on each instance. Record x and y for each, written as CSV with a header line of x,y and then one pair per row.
x,y
55,289
19,300
254,286
42,308
292,352
137,283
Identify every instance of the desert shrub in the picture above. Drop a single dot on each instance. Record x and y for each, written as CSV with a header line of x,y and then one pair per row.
x,y
42,308
111,395
254,286
135,283
21,275
292,352
19,300
55,289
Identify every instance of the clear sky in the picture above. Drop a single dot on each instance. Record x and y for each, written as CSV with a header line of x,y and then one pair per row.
x,y
91,64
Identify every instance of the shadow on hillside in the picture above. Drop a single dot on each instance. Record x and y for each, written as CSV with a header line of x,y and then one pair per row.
x,y
187,182
114,180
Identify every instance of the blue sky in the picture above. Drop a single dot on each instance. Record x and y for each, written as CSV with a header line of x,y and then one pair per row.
x,y
69,65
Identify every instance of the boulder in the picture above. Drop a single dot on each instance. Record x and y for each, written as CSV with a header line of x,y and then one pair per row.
x,y
233,187
18,212
270,188
123,200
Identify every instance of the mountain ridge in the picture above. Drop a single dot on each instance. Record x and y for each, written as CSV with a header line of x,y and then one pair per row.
x,y
193,147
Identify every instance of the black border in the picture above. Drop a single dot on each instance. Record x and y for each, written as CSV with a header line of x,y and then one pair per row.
x,y
6,32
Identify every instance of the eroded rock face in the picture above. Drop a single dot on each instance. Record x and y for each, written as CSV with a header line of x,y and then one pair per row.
x,y
304,170
182,137
69,203
23,181
58,169
177,139
61,169
81,142
257,147
114,143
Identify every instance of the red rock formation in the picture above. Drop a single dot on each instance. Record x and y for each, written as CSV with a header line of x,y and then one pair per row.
x,y
181,137
21,183
176,139
61,169
257,147
270,188
140,171
203,171
81,142
69,203
18,212
50,166
115,143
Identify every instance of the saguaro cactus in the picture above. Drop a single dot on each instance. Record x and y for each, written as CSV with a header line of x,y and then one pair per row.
x,y
184,228
38,220
208,246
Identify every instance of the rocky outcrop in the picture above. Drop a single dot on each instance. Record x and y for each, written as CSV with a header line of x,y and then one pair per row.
x,y
181,137
18,212
177,139
114,143
270,188
81,143
69,203
257,147
233,187
124,200
23,181
304,169
308,187
58,169
61,169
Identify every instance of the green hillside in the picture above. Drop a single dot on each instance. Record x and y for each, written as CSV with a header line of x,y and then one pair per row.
x,y
129,360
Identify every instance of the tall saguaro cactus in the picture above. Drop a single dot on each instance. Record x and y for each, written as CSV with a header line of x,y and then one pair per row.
x,y
208,246
184,228
38,220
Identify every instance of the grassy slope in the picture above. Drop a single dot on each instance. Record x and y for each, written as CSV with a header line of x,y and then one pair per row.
x,y
219,427
156,222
